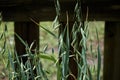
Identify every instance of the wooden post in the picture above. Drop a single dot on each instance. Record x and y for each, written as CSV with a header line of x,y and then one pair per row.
x,y
73,67
112,51
29,32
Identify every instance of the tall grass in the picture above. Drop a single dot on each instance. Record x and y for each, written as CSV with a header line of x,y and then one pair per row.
x,y
17,69
75,38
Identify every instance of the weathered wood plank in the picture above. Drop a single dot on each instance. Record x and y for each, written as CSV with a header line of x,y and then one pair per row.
x,y
112,51
14,2
108,10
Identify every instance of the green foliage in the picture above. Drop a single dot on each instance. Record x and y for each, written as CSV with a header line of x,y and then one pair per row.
x,y
31,69
34,69
69,38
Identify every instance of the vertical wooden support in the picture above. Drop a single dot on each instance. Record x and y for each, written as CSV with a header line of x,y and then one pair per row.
x,y
112,51
29,32
72,63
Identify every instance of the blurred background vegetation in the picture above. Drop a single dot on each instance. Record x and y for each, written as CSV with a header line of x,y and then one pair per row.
x,y
49,42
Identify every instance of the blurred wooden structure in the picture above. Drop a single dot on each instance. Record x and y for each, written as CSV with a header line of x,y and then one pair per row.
x,y
21,11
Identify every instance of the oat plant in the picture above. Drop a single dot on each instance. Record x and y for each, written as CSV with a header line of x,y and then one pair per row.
x,y
71,40
77,39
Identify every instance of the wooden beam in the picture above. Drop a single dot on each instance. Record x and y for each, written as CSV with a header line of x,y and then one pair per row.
x,y
112,51
45,10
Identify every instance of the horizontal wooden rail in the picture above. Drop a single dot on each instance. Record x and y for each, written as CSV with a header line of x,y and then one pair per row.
x,y
20,10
